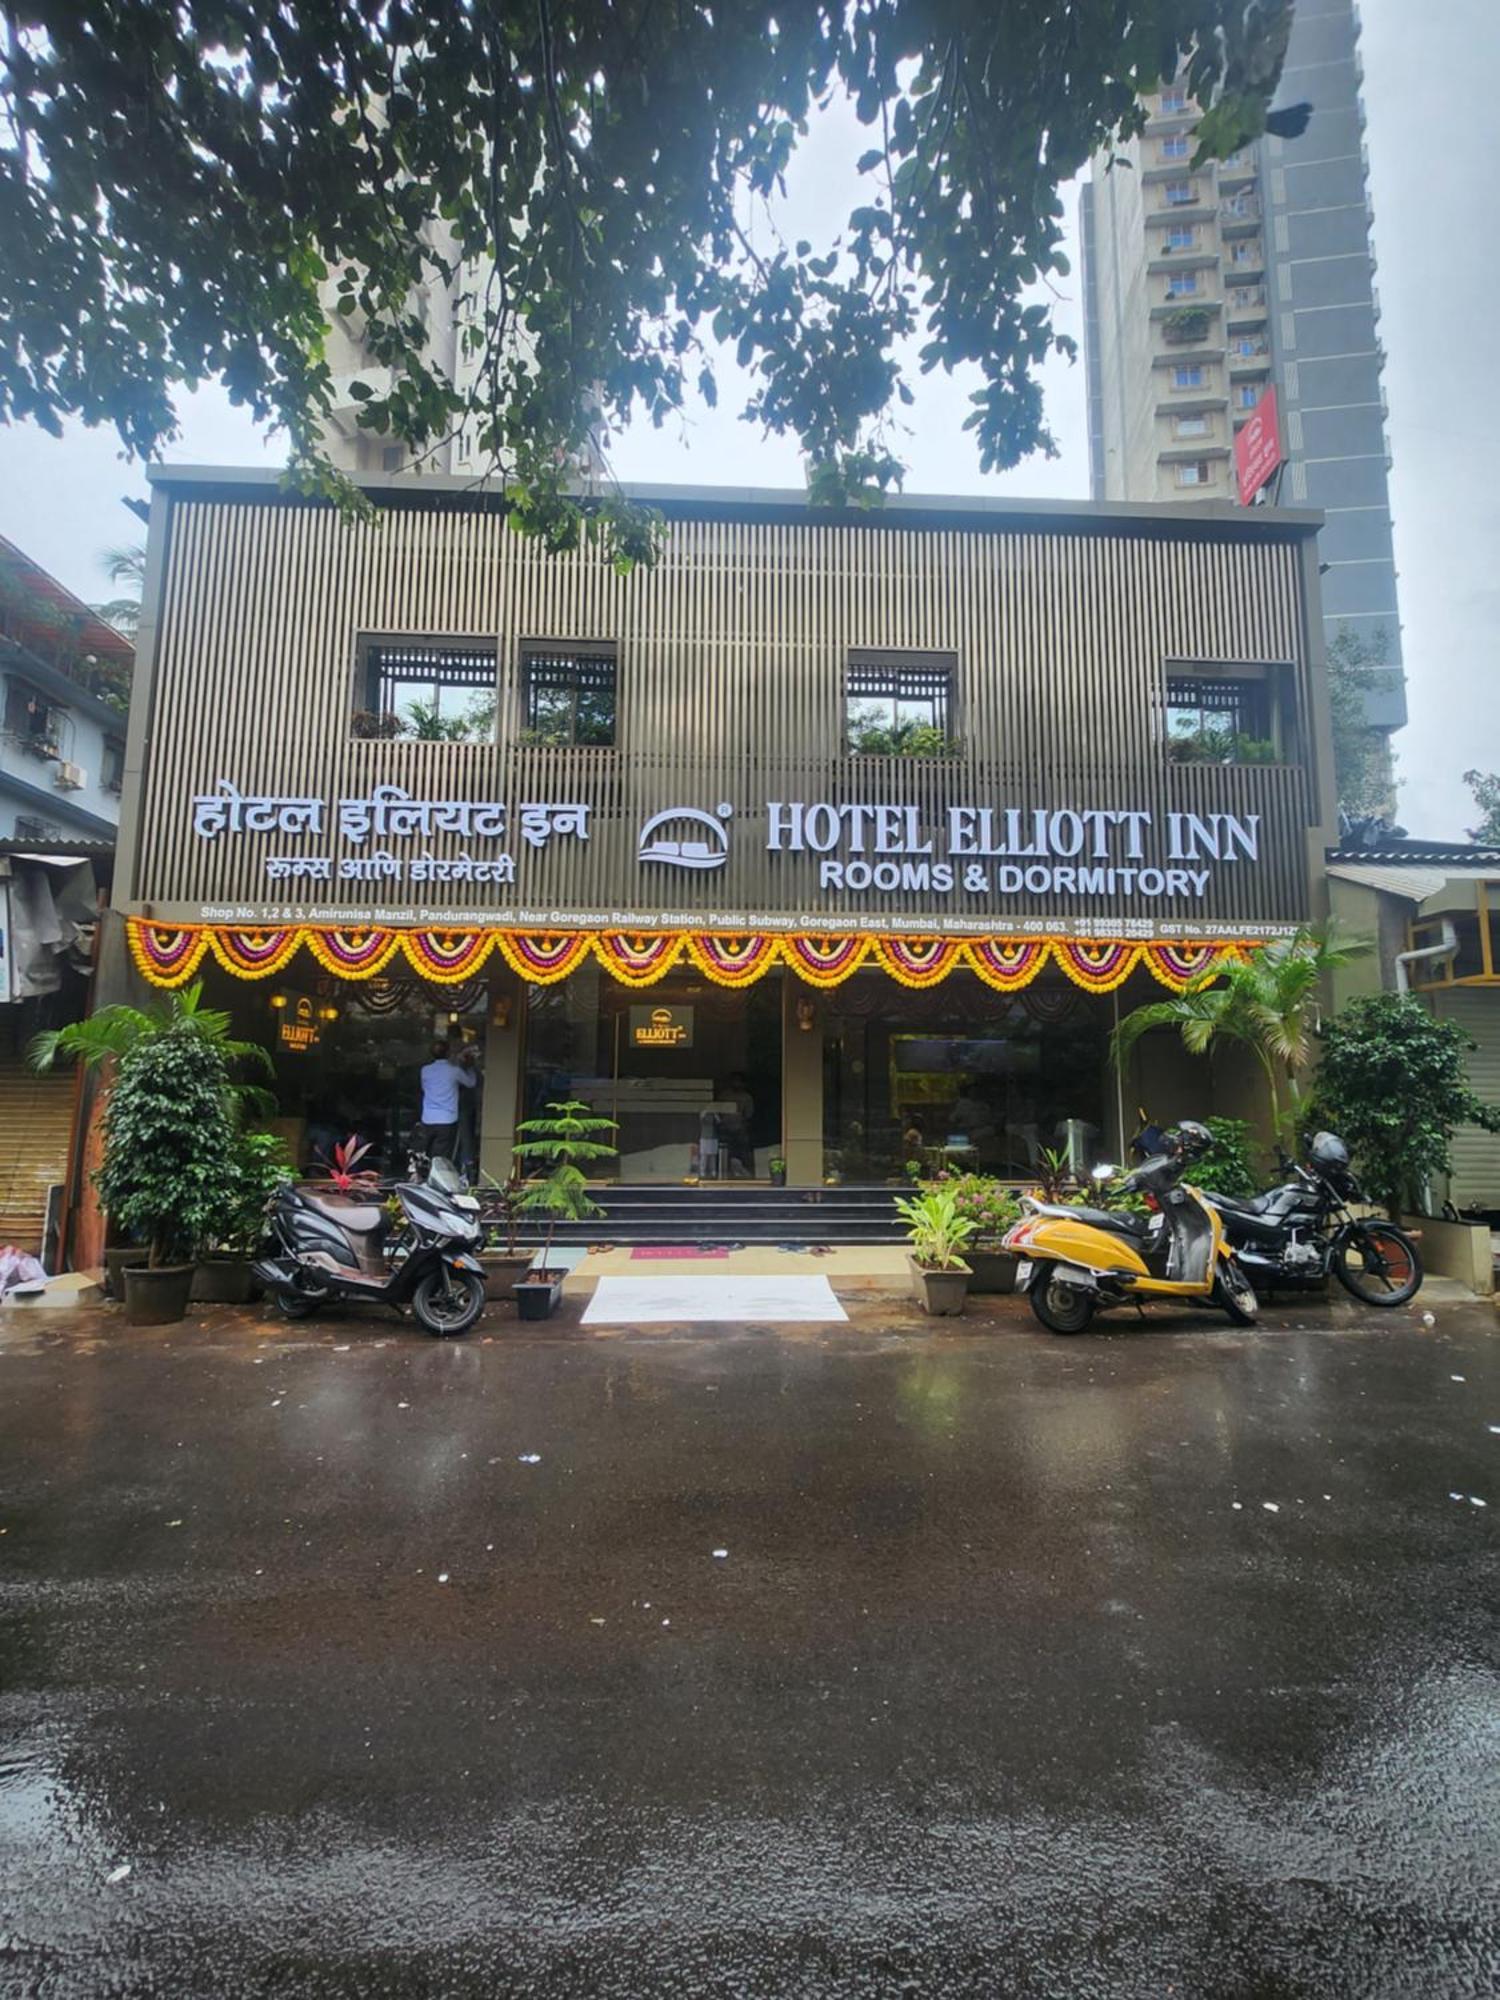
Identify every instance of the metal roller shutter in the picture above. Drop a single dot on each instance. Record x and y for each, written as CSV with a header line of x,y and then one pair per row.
x,y
1475,1181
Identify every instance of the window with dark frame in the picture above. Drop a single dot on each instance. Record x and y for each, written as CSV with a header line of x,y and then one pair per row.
x,y
899,705
112,765
1218,720
443,690
569,696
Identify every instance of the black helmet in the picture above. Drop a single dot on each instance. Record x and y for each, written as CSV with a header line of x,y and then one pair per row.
x,y
1194,1139
1326,1150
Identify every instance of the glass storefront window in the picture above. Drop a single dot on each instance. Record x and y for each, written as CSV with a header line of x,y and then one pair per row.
x,y
347,1056
962,1076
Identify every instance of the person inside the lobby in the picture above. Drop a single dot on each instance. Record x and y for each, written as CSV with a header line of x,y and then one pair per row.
x,y
436,1133
735,1109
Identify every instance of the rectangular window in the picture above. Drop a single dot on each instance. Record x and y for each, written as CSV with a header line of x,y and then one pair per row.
x,y
1181,236
32,722
1247,255
1180,194
1213,721
29,827
1187,378
1195,474
1246,395
1177,147
438,690
1248,347
899,704
1173,100
1192,427
1182,285
112,765
1245,298
569,696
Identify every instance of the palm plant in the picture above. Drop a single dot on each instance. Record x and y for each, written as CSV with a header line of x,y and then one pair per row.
x,y
1267,1003
114,1031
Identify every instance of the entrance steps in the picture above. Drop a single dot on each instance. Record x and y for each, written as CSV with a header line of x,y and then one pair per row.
x,y
721,1212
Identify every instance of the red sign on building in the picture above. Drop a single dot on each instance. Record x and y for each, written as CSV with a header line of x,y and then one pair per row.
x,y
1257,447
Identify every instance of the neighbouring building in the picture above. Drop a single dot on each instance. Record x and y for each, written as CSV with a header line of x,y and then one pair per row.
x,y
830,839
1204,286
1432,909
64,689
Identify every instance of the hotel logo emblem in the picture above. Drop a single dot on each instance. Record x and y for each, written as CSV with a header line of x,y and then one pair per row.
x,y
683,837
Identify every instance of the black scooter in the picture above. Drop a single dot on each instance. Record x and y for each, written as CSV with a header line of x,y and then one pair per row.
x,y
1297,1233
331,1247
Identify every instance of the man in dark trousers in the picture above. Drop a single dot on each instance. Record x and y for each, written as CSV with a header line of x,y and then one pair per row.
x,y
436,1134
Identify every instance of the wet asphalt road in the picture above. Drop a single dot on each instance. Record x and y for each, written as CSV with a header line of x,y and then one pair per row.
x,y
1010,1681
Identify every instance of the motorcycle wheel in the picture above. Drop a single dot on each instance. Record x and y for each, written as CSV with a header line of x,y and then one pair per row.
x,y
447,1303
1386,1264
1234,1292
293,1303
1060,1308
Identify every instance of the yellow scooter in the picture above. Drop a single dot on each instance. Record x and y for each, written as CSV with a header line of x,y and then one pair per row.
x,y
1074,1262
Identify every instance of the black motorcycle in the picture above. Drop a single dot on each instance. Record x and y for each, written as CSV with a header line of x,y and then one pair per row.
x,y
1299,1232
329,1247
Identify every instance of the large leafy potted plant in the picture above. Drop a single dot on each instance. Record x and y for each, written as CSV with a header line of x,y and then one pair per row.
x,y
257,1165
938,1235
563,1143
167,1136
992,1208
109,1034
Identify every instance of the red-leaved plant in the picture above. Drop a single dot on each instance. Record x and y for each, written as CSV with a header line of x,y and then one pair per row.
x,y
342,1168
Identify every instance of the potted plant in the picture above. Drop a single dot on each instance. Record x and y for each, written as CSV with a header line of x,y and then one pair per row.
x,y
559,1143
776,1168
938,1234
258,1164
101,1042
504,1262
992,1208
167,1135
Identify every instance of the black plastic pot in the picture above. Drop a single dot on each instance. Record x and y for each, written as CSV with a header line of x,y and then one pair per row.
x,y
224,1281
502,1272
116,1261
157,1297
778,1176
537,1296
991,1270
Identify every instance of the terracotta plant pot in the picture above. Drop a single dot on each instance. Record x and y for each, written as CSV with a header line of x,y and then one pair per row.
x,y
224,1281
157,1297
939,1292
537,1296
502,1273
992,1270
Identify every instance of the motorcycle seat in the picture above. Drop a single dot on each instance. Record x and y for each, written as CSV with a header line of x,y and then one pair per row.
x,y
1119,1221
1257,1204
361,1217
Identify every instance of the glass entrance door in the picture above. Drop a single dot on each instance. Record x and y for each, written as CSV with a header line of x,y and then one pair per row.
x,y
690,1072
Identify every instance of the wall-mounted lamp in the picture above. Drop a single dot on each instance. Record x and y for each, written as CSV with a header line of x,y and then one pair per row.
x,y
278,999
328,1013
806,1015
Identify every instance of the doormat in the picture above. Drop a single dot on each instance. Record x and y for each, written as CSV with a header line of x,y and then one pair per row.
x,y
726,1301
644,1252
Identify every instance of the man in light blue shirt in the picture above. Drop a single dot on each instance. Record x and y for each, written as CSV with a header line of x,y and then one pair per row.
x,y
442,1079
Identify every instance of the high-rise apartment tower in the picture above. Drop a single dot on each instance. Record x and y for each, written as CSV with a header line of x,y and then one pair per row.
x,y
1204,285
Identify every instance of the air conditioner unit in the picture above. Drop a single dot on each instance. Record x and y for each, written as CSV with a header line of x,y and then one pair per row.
x,y
69,777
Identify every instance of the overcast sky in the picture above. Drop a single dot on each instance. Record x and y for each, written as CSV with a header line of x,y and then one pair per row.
x,y
1428,78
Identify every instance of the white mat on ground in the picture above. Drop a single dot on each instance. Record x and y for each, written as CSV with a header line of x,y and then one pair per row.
x,y
732,1297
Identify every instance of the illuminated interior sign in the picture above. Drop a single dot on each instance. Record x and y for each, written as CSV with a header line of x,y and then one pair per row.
x,y
299,1024
661,1027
